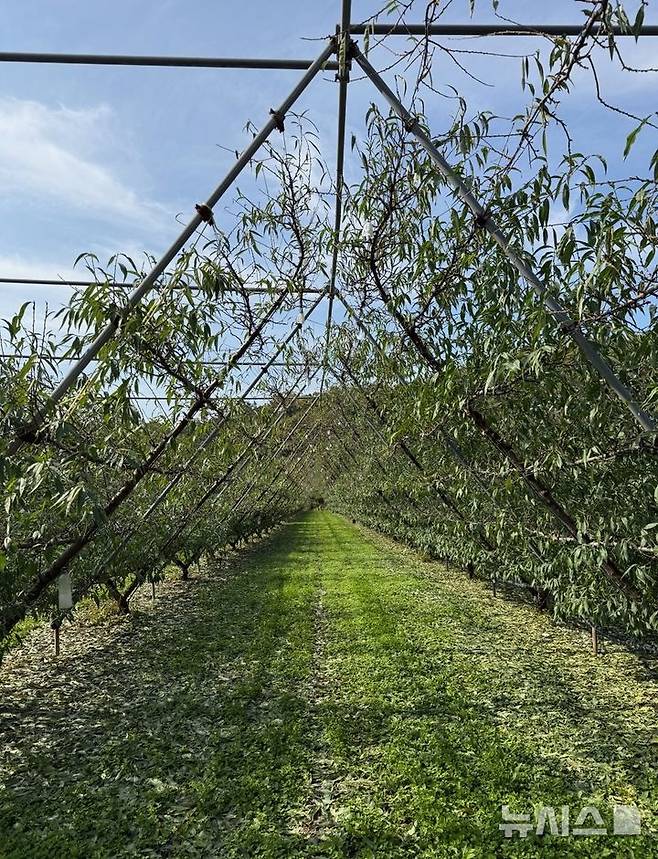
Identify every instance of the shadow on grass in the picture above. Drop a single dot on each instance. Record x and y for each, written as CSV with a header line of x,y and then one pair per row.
x,y
186,729
195,728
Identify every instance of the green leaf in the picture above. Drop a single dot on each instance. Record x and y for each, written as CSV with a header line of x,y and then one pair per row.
x,y
632,137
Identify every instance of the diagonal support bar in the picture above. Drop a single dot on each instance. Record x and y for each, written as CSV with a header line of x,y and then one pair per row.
x,y
108,333
210,437
556,308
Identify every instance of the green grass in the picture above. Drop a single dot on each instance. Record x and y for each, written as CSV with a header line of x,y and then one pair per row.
x,y
328,695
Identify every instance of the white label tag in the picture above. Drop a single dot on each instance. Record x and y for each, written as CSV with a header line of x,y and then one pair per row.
x,y
64,592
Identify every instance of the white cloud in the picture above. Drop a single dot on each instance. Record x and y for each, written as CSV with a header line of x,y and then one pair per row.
x,y
12,296
13,265
56,154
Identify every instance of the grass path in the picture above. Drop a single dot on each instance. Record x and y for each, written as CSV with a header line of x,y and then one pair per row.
x,y
327,695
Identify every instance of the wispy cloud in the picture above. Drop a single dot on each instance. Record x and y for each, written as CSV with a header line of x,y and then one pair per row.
x,y
13,295
14,265
61,155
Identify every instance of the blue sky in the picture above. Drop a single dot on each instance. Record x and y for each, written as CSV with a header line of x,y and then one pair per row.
x,y
102,158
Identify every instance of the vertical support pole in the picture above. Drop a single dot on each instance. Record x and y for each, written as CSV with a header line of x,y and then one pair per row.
x,y
56,625
595,641
152,589
343,77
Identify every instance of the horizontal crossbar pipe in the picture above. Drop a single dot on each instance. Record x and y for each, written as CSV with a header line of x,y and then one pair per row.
x,y
31,281
495,29
109,332
160,62
204,363
232,399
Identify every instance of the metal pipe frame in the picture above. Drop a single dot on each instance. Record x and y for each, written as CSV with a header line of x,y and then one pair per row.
x,y
563,318
265,63
377,431
222,481
146,285
249,290
212,435
344,62
233,399
495,29
160,62
347,51
275,493
362,448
